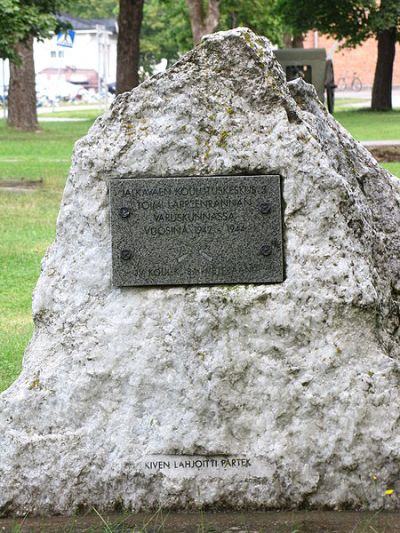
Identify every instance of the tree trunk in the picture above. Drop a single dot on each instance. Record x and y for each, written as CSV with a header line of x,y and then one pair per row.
x,y
298,41
382,88
128,46
287,40
293,41
21,94
203,24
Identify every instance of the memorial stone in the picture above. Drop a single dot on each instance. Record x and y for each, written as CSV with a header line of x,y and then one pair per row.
x,y
272,384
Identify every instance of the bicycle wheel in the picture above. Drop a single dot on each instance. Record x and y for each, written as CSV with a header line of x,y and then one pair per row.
x,y
330,99
330,85
356,84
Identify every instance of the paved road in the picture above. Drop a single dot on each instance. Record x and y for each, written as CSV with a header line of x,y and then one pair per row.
x,y
80,107
381,143
366,94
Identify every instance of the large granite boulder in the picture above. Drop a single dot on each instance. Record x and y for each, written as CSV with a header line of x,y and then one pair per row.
x,y
270,396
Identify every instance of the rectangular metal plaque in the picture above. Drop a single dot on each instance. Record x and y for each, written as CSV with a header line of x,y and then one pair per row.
x,y
196,230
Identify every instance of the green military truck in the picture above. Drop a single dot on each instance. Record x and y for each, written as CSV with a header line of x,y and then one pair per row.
x,y
312,65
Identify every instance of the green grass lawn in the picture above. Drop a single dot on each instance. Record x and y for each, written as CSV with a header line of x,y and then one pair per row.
x,y
27,222
46,154
27,219
394,168
59,112
366,125
27,225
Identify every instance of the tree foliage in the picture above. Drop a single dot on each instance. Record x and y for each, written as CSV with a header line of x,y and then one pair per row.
x,y
21,19
204,17
165,33
258,15
93,9
166,29
353,21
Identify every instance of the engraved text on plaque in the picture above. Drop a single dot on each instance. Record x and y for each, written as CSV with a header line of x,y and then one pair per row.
x,y
196,230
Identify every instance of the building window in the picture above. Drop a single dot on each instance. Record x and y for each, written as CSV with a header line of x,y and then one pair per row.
x,y
53,54
61,53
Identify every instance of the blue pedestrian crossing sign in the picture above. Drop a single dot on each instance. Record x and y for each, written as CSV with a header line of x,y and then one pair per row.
x,y
66,38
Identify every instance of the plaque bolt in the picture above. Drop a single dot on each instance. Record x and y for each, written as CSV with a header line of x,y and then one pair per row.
x,y
124,212
265,208
265,250
126,255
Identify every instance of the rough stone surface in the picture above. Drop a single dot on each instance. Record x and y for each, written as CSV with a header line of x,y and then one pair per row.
x,y
302,376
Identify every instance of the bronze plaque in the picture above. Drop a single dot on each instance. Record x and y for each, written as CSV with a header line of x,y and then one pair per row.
x,y
196,230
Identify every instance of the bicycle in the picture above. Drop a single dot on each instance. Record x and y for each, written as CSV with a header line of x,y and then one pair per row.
x,y
354,85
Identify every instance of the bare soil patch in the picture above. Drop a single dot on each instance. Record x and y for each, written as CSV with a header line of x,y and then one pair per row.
x,y
387,153
209,522
20,185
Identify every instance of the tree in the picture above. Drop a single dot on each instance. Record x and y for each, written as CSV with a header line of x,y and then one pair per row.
x,y
21,92
128,46
203,21
258,15
353,21
166,31
22,18
386,26
93,9
20,22
129,26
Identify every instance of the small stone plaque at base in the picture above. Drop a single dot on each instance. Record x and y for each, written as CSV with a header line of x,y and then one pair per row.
x,y
198,466
196,230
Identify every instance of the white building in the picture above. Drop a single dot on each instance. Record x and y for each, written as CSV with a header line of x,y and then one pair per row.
x,y
94,53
